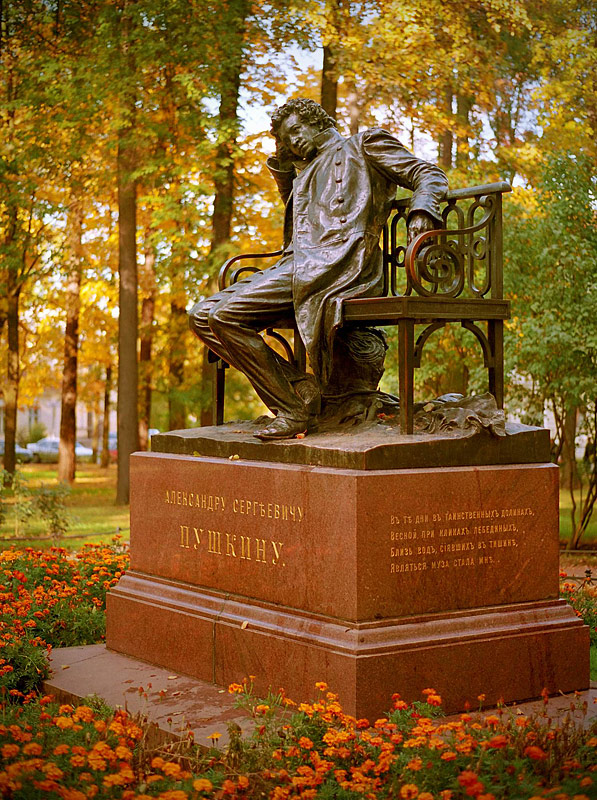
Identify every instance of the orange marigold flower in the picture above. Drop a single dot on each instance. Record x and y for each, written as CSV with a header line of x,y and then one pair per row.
x,y
52,771
492,720
173,794
65,709
467,777
32,749
157,762
415,764
78,761
498,742
123,752
9,750
84,713
229,787
534,752
409,791
99,725
243,782
322,686
171,769
96,761
426,796
448,755
202,785
63,722
586,781
235,688
428,691
114,779
261,709
434,699
446,794
400,705
305,743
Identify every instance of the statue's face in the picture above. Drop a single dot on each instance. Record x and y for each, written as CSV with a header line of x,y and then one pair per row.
x,y
298,136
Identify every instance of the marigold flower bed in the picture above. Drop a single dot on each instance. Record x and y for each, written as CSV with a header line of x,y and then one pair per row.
x,y
304,751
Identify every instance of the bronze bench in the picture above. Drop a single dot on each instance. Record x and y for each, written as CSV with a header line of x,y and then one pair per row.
x,y
450,275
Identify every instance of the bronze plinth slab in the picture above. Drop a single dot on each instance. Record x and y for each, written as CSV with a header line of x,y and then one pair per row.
x,y
370,447
372,580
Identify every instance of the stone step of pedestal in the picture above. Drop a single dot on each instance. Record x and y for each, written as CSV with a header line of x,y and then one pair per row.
x,y
205,708
187,704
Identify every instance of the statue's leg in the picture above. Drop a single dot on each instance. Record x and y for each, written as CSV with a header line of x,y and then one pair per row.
x,y
229,323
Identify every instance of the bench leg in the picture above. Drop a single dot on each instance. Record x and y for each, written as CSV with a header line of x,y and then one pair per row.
x,y
495,334
219,380
406,371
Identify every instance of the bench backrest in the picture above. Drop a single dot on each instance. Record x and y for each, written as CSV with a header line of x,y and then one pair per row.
x,y
465,261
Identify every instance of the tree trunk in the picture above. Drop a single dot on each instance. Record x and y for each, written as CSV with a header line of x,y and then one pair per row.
x,y
11,389
72,294
105,460
177,414
329,82
464,105
128,412
146,340
446,139
354,106
224,175
96,429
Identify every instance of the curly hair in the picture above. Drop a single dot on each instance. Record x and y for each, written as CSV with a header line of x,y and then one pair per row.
x,y
307,110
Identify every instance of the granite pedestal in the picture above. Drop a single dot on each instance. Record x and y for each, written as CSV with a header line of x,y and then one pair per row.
x,y
375,580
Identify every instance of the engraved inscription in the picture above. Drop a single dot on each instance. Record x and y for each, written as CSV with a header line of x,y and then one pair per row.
x,y
455,539
243,506
232,545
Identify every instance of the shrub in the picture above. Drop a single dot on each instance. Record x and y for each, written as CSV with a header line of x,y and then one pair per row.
x,y
51,599
583,599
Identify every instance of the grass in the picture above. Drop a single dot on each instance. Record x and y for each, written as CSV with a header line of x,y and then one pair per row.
x,y
90,505
589,539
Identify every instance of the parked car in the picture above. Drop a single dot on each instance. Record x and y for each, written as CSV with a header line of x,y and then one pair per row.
x,y
46,450
23,455
113,443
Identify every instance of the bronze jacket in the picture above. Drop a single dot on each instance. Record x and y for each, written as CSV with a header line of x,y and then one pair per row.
x,y
336,208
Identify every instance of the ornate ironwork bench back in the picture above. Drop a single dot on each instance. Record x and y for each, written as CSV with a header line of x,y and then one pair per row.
x,y
450,275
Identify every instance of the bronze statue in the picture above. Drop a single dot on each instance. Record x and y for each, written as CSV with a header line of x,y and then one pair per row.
x,y
338,194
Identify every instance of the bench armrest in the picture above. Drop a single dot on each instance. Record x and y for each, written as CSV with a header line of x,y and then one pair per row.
x,y
224,272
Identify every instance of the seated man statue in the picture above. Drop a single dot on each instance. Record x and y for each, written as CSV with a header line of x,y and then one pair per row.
x,y
338,194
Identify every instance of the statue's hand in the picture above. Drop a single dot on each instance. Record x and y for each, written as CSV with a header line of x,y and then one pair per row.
x,y
284,158
420,222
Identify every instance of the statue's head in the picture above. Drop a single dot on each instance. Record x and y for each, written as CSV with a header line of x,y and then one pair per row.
x,y
296,123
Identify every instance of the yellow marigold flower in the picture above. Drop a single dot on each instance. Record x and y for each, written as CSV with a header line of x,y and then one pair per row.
x,y
261,709
235,688
202,785
409,791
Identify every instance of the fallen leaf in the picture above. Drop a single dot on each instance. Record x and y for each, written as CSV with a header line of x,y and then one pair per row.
x,y
172,677
244,625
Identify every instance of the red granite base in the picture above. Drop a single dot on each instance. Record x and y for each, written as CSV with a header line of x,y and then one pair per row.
x,y
373,581
507,652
